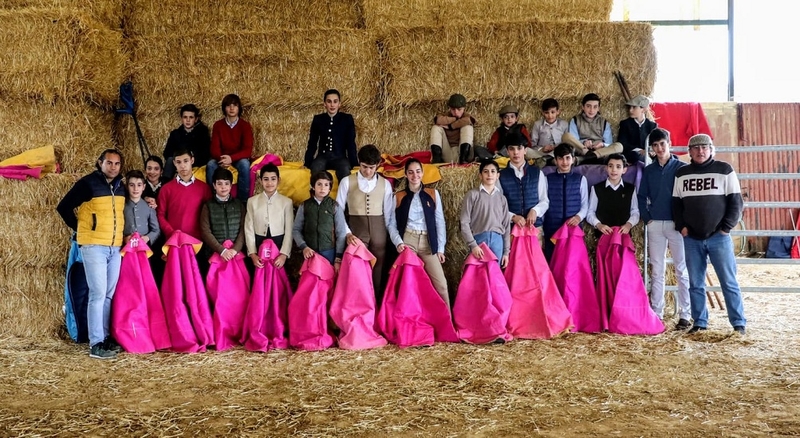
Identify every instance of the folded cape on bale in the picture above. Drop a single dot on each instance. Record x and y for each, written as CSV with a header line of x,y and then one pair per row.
x,y
267,315
393,166
308,310
573,276
228,284
184,296
353,302
537,309
483,301
413,314
29,164
138,321
623,299
76,295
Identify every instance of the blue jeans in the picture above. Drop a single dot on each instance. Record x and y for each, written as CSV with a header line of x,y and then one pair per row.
x,y
243,183
719,249
102,272
493,240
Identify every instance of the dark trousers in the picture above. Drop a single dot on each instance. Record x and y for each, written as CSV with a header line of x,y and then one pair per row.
x,y
341,166
372,231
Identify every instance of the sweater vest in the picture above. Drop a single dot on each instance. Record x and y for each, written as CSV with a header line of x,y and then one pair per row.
x,y
224,218
428,199
521,194
318,223
101,219
590,130
564,193
613,206
365,204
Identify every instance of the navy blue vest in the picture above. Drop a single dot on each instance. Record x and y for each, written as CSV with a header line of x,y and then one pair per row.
x,y
564,193
521,194
428,208
613,206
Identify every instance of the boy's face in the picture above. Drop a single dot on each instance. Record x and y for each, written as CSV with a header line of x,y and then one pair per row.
x,y
551,114
110,165
591,108
322,188
636,112
615,169
661,149
457,112
489,175
183,164
269,182
414,174
517,154
153,172
367,170
135,188
332,104
188,119
564,163
509,119
222,187
232,111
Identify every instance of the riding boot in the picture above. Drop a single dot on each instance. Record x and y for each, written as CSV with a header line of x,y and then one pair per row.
x,y
464,153
436,152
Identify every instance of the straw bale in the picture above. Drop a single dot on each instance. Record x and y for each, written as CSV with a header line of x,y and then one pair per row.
x,y
287,69
456,182
169,17
33,238
530,60
33,298
380,14
34,194
59,53
78,132
108,12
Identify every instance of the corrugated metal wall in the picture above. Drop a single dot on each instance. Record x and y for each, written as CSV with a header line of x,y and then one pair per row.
x,y
769,124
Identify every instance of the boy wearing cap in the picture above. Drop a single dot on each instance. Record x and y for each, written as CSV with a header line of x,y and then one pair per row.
x,y
589,133
706,205
509,128
452,133
547,132
634,130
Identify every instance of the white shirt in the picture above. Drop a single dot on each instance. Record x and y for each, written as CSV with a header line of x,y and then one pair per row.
x,y
544,201
185,183
366,186
592,217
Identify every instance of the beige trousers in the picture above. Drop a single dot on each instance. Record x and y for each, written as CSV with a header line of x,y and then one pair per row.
x,y
580,149
419,242
450,153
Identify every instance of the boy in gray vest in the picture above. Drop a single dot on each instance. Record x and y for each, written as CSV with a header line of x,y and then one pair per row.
x,y
589,132
319,225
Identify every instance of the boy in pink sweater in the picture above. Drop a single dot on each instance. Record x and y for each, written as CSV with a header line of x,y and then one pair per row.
x,y
232,145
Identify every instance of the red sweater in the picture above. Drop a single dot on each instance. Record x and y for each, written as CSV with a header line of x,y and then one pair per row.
x,y
236,142
179,207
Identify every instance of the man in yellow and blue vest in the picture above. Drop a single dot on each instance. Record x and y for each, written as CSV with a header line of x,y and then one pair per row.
x,y
99,199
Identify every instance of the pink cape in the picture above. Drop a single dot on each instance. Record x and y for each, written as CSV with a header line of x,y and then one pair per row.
x,y
266,319
483,301
413,314
184,296
353,303
622,295
20,171
137,316
573,276
308,310
228,286
537,309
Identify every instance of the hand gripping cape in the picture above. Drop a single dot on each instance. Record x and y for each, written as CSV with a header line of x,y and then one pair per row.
x,y
353,302
573,276
138,321
413,314
308,310
184,296
626,309
266,319
228,285
537,309
483,301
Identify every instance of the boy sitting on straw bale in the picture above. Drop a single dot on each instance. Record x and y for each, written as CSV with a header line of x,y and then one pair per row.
x,y
524,187
589,132
548,131
634,130
333,134
485,217
192,135
568,194
452,133
232,144
509,128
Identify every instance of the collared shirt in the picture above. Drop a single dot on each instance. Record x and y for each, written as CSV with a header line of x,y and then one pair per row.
x,y
416,221
584,196
366,186
231,124
546,134
592,217
495,189
154,187
541,189
185,183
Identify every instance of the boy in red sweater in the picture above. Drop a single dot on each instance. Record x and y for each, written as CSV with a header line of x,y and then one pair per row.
x,y
180,200
232,145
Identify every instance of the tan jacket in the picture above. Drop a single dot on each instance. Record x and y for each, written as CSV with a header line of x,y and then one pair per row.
x,y
275,214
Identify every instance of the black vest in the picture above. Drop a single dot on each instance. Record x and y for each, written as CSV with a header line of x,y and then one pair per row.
x,y
426,196
319,223
613,206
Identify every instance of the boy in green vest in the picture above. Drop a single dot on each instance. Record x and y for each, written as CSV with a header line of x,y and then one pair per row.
x,y
222,218
319,225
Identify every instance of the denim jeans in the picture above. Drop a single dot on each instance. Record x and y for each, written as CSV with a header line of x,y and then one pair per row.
x,y
660,235
243,182
102,272
719,249
493,240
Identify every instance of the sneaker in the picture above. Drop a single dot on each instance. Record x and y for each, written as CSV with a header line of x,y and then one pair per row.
x,y
111,344
98,352
740,329
683,324
696,329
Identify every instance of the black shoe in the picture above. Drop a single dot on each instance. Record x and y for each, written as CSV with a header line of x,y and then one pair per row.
x,y
111,344
499,341
740,329
436,154
695,329
463,156
98,352
683,324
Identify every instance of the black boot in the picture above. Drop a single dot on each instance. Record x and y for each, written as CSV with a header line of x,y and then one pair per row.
x,y
463,156
436,152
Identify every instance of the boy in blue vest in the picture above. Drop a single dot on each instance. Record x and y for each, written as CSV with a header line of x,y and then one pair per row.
x,y
524,187
612,203
568,194
319,225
